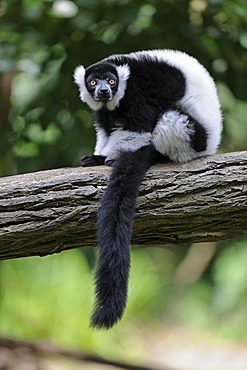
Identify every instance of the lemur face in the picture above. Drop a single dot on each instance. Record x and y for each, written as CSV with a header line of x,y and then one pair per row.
x,y
101,82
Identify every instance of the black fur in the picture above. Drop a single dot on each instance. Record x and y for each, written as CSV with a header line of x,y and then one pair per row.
x,y
159,87
100,70
115,218
199,138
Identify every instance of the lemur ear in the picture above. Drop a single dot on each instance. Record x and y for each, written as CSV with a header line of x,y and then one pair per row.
x,y
79,75
123,72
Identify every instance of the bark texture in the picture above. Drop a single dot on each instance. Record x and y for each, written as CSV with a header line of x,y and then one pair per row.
x,y
50,211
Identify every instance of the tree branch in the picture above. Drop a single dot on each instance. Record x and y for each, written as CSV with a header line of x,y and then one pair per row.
x,y
49,349
50,211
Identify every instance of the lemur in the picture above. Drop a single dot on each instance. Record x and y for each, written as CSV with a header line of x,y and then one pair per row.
x,y
146,105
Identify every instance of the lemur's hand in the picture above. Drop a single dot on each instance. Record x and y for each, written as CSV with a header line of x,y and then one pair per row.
x,y
92,160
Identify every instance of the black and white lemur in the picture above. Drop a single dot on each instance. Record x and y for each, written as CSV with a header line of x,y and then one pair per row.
x,y
145,105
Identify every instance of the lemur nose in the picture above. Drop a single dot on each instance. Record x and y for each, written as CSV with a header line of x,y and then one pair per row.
x,y
103,91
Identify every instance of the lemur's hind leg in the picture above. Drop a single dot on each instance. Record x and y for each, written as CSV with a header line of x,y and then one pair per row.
x,y
180,137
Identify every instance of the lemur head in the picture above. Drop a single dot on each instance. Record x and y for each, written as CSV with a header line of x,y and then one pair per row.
x,y
102,84
102,81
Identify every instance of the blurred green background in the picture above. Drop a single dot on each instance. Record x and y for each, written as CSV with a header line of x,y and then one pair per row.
x,y
43,125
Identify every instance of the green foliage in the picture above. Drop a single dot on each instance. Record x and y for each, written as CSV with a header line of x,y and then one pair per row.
x,y
235,113
52,298
230,276
217,302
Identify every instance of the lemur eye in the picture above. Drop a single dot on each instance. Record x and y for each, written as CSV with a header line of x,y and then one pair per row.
x,y
111,81
92,83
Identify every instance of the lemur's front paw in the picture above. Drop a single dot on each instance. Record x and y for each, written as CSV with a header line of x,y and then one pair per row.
x,y
92,160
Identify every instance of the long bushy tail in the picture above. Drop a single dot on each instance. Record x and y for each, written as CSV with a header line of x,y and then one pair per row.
x,y
115,218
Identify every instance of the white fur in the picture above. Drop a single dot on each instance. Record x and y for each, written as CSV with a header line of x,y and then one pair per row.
x,y
121,140
172,137
101,140
79,75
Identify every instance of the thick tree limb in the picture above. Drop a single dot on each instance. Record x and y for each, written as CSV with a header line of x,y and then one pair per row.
x,y
50,211
47,349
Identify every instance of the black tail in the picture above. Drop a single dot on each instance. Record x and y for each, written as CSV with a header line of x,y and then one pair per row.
x,y
115,218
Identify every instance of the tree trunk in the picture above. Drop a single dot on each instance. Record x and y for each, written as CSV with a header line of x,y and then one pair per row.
x,y
50,211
